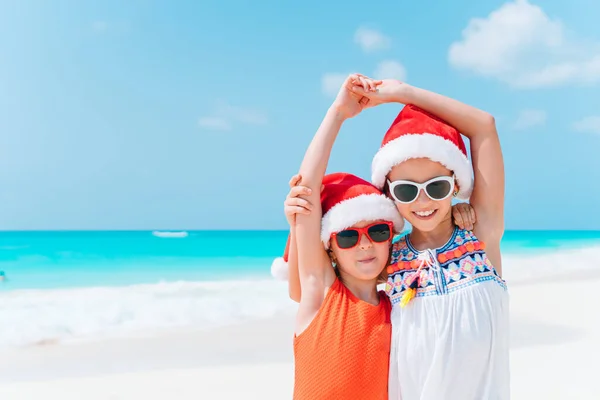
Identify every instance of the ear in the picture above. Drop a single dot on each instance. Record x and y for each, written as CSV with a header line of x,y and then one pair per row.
x,y
332,257
456,188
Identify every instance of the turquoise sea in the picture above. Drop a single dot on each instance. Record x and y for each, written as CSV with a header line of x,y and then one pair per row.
x,y
64,286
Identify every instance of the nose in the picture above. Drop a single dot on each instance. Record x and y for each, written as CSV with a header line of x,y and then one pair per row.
x,y
422,197
365,242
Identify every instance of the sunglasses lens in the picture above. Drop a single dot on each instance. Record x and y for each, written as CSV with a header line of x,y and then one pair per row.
x,y
405,192
347,239
380,233
439,189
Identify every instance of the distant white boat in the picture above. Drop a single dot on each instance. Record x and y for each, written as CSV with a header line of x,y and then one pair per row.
x,y
170,234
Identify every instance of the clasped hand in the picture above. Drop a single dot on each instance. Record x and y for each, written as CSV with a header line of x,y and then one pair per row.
x,y
359,92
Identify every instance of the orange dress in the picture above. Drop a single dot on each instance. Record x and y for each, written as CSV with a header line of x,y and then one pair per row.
x,y
344,352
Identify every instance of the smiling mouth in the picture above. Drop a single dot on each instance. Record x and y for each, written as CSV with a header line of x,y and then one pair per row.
x,y
425,215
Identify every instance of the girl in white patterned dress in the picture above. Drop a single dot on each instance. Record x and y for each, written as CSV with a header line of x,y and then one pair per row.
x,y
450,321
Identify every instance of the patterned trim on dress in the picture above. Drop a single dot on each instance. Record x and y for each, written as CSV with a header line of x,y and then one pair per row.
x,y
462,262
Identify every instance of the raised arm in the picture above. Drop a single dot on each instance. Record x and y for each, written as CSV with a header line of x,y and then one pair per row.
x,y
488,165
479,126
488,191
314,266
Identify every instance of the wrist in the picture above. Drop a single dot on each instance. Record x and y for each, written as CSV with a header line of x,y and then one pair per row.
x,y
404,94
334,112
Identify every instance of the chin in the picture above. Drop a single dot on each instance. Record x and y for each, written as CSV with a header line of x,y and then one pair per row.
x,y
425,226
369,271
367,276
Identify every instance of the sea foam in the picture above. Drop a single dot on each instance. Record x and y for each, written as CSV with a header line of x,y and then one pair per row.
x,y
32,317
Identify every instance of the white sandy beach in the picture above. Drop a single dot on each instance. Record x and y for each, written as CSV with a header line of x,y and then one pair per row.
x,y
555,355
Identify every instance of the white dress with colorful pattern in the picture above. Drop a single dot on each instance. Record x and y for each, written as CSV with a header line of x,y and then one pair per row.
x,y
450,342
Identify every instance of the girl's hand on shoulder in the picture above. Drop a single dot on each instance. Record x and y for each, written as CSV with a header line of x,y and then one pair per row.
x,y
463,215
294,203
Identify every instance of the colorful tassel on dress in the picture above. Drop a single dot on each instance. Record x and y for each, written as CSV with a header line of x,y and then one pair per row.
x,y
410,292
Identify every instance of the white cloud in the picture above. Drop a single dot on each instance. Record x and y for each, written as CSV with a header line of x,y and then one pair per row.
x,y
521,45
332,82
371,40
390,70
589,124
240,114
214,123
530,118
225,116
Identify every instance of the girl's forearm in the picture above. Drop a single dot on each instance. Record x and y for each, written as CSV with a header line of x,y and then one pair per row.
x,y
470,121
315,161
311,254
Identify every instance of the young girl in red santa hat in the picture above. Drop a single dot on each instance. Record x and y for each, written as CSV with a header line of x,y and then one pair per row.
x,y
449,303
342,331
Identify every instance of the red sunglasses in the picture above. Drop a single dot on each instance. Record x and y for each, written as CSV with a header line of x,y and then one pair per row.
x,y
378,232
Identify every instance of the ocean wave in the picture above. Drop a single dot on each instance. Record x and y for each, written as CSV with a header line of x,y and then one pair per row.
x,y
37,317
30,317
549,265
170,234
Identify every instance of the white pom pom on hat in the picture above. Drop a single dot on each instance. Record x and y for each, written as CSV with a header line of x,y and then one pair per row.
x,y
280,269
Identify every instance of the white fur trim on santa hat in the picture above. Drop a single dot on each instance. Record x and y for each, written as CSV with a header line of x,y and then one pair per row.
x,y
366,207
280,269
424,145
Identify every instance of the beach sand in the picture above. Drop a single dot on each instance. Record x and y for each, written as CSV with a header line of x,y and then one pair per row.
x,y
555,354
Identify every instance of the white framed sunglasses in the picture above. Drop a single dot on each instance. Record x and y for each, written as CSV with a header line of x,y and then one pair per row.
x,y
438,188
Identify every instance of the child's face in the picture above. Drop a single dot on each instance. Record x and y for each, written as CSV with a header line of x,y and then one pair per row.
x,y
369,256
424,213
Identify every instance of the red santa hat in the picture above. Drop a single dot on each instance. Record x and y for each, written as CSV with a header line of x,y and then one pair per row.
x,y
346,200
416,133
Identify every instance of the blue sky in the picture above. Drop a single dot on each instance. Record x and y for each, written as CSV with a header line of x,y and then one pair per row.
x,y
193,115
